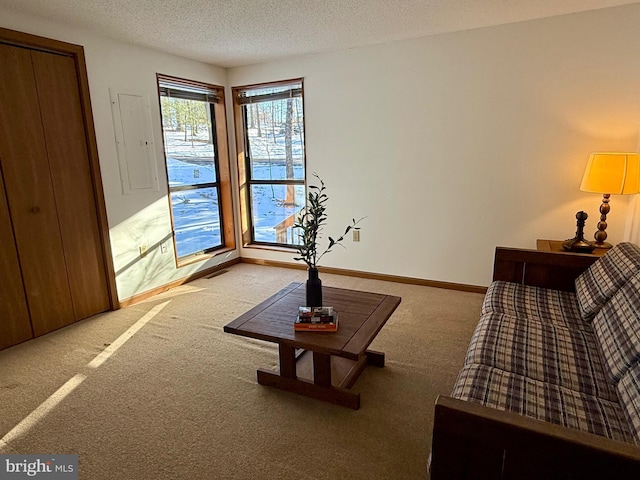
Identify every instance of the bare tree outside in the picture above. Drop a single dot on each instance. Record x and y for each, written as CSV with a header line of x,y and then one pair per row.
x,y
288,148
186,116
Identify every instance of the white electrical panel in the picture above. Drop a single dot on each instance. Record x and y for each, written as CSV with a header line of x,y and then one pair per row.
x,y
134,140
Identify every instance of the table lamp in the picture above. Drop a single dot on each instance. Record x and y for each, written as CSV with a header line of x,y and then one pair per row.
x,y
610,173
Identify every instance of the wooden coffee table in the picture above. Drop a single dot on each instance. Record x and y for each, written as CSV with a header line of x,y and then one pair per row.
x,y
321,365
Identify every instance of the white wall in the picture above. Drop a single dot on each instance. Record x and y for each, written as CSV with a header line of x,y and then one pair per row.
x,y
454,144
139,218
449,145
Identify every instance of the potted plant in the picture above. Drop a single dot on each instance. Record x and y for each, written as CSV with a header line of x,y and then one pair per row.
x,y
309,223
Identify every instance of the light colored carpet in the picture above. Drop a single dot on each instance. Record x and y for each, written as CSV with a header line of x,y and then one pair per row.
x,y
179,399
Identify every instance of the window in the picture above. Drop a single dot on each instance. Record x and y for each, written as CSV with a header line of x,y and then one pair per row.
x,y
269,122
196,154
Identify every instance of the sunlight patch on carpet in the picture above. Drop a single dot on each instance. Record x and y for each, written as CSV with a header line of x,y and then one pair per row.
x,y
50,403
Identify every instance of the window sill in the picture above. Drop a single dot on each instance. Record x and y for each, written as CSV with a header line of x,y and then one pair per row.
x,y
203,257
272,248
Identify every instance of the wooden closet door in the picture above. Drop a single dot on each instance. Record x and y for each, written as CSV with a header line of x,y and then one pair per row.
x,y
15,326
66,142
31,200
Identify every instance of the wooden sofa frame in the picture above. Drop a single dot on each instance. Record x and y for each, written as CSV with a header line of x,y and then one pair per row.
x,y
471,441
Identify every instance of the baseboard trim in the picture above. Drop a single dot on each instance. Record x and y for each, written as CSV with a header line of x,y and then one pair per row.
x,y
299,266
167,286
374,276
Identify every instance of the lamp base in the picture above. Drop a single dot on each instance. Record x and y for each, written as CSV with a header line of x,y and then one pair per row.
x,y
601,234
603,245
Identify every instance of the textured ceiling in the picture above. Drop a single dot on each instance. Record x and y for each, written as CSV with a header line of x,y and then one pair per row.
x,y
232,33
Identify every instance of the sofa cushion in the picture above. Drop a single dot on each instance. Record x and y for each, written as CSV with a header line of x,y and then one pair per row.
x,y
510,392
617,328
548,353
629,392
547,306
605,276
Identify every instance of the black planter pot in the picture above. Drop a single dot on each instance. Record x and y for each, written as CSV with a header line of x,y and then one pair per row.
x,y
314,289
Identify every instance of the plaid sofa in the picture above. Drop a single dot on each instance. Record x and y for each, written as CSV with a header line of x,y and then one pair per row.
x,y
567,358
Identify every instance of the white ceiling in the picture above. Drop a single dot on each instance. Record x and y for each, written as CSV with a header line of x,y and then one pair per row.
x,y
232,33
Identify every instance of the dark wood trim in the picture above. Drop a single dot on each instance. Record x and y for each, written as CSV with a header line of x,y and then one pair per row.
x,y
555,270
269,97
168,286
35,42
101,207
513,420
21,39
276,83
373,276
243,184
472,441
224,172
216,89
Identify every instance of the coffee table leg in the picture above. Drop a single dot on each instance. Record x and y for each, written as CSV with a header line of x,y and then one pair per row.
x,y
321,388
287,356
322,369
375,358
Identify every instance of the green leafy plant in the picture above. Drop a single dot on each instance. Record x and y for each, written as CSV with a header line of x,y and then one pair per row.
x,y
310,222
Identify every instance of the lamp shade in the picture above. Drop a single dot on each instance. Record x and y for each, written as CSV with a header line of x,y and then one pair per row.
x,y
614,173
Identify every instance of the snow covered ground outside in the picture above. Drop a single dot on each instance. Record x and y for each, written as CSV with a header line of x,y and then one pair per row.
x,y
195,211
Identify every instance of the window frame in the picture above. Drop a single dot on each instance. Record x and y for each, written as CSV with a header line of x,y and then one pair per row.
x,y
245,180
216,104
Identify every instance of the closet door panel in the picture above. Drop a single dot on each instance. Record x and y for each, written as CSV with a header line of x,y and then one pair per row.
x,y
15,325
65,138
30,194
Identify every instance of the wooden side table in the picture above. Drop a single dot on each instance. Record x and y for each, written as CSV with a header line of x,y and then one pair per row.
x,y
556,246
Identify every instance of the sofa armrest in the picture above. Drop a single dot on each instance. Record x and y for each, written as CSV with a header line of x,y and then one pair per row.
x,y
471,441
556,270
